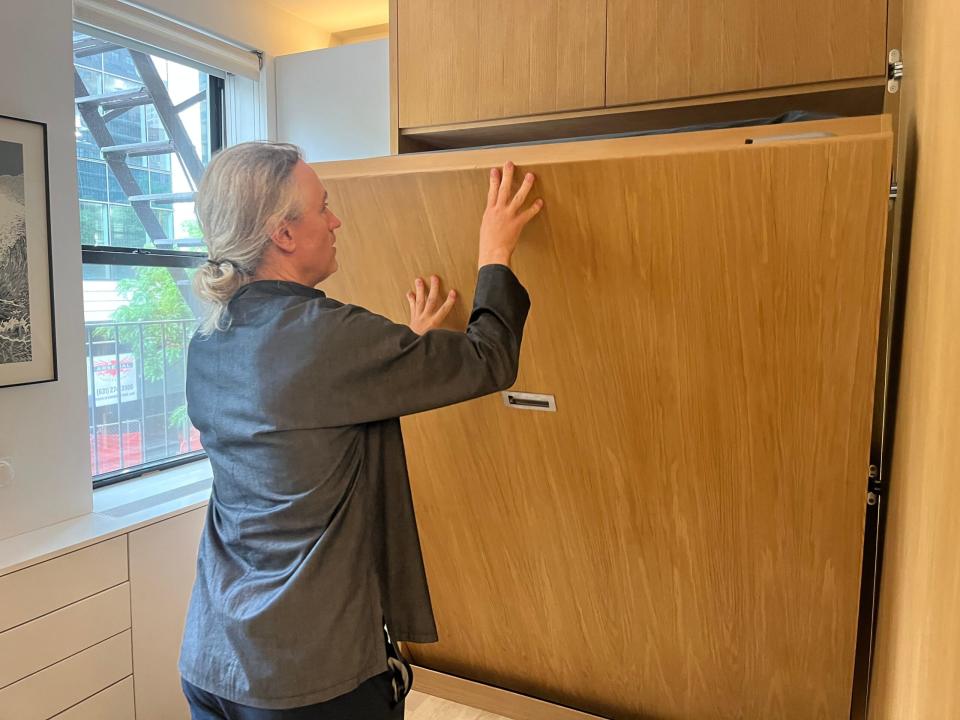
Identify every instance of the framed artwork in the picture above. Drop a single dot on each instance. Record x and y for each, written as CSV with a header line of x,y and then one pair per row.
x,y
27,341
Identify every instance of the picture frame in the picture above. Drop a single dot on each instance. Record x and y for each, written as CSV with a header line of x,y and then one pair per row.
x,y
27,328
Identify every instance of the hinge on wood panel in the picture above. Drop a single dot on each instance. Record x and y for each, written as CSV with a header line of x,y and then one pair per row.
x,y
894,70
874,485
894,188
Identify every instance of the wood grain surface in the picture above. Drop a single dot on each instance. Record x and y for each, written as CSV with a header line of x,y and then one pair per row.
x,y
917,663
463,60
665,49
682,539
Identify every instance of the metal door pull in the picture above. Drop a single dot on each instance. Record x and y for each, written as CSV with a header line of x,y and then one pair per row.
x,y
530,401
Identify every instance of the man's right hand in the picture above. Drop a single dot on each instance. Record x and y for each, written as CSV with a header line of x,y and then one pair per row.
x,y
504,217
427,311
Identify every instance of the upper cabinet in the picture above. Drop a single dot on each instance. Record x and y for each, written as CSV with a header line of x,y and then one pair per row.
x,y
468,60
670,49
479,72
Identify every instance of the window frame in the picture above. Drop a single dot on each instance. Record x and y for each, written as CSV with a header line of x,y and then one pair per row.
x,y
108,255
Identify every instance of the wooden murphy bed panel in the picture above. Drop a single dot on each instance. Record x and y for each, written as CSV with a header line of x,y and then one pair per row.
x,y
683,537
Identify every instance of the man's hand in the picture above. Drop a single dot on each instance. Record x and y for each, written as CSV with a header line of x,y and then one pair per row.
x,y
426,310
504,217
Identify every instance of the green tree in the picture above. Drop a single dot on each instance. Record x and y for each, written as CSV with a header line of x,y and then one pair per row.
x,y
152,295
190,228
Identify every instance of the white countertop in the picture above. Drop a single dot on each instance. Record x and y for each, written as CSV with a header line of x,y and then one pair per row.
x,y
117,509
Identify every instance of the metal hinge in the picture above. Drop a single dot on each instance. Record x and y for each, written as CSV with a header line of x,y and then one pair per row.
x,y
874,486
894,70
873,494
894,190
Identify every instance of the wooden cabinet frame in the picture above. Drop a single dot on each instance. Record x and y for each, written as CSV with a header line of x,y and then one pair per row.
x,y
858,96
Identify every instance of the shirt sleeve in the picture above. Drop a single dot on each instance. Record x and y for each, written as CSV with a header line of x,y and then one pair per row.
x,y
375,369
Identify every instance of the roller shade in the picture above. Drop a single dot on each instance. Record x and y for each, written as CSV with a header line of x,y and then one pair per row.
x,y
163,36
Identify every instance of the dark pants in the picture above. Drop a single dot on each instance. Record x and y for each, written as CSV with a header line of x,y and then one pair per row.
x,y
373,700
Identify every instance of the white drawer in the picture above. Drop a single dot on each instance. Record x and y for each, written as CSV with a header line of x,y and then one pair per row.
x,y
48,692
114,703
47,640
53,584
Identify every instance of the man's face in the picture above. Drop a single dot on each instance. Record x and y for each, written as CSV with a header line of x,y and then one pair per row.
x,y
313,233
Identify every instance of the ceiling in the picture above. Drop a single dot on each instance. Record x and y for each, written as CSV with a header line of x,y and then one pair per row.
x,y
338,15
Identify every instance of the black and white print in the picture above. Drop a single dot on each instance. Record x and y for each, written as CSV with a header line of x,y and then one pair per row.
x,y
28,352
15,342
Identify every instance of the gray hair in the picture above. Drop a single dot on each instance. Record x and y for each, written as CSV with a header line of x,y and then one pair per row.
x,y
245,193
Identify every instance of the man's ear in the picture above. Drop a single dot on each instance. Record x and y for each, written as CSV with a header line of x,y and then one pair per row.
x,y
283,239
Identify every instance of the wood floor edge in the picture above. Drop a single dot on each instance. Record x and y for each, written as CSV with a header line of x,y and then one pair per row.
x,y
491,699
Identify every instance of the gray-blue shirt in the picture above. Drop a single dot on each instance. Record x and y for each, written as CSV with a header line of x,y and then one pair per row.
x,y
310,542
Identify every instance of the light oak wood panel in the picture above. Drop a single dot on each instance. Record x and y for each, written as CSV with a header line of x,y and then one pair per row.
x,y
36,590
917,662
69,682
47,640
891,101
682,539
664,49
469,60
114,703
589,150
438,63
163,564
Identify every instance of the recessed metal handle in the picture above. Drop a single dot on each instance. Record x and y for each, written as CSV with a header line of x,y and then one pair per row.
x,y
530,401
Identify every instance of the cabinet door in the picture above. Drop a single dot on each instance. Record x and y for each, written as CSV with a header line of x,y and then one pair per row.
x,y
465,60
666,49
163,565
682,538
114,703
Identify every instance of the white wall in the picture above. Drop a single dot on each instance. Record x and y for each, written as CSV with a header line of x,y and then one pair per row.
x,y
256,24
43,427
335,103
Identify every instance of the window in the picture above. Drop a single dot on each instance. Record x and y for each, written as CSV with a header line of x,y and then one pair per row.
x,y
146,127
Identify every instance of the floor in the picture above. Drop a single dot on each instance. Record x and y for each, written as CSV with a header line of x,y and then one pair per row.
x,y
427,707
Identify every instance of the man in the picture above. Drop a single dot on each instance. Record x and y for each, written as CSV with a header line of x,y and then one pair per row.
x,y
310,545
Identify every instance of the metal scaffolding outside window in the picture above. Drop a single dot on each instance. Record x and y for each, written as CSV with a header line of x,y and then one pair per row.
x,y
146,126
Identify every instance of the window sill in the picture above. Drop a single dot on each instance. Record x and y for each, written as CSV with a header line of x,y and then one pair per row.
x,y
117,510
